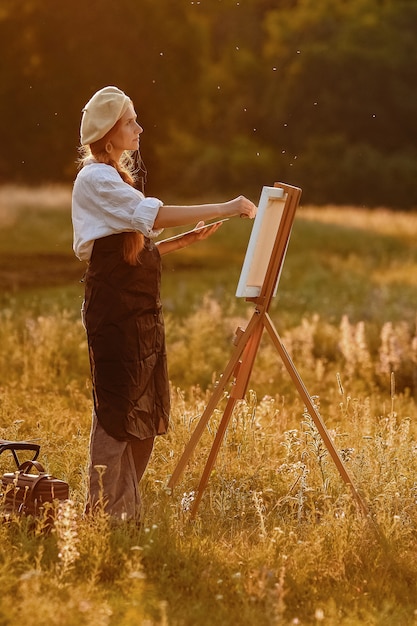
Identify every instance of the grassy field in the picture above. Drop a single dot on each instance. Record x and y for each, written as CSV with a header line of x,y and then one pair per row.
x,y
277,538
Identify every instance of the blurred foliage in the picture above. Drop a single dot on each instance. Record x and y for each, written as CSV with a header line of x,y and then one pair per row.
x,y
232,95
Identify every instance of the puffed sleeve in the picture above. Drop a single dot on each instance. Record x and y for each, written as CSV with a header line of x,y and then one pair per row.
x,y
124,206
145,213
103,204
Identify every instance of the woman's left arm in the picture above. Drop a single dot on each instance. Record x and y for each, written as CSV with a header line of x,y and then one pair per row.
x,y
198,234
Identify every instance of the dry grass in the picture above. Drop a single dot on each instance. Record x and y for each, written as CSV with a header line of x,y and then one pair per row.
x,y
16,199
277,539
384,221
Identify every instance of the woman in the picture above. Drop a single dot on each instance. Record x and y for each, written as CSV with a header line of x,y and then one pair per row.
x,y
113,228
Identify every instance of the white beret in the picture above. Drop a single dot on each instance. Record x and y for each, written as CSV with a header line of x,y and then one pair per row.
x,y
101,113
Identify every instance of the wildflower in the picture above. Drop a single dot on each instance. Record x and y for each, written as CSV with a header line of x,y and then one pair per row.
x,y
29,574
138,575
390,352
346,454
67,535
84,606
187,501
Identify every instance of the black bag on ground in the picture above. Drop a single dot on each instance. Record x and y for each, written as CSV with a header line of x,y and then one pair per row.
x,y
27,494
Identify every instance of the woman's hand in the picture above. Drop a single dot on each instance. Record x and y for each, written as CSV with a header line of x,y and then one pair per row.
x,y
199,233
241,206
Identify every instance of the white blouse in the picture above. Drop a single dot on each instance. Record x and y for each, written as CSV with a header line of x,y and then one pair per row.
x,y
103,204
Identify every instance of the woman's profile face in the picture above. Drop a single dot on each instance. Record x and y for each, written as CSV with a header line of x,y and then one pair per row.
x,y
125,135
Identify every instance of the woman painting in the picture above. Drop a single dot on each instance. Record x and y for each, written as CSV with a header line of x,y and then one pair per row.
x,y
114,226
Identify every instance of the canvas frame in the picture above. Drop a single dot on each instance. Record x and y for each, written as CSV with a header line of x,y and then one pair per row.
x,y
269,226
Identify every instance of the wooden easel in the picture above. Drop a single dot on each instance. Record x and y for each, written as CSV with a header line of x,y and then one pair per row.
x,y
242,360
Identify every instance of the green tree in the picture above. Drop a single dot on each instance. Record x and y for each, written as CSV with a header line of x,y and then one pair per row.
x,y
345,98
232,95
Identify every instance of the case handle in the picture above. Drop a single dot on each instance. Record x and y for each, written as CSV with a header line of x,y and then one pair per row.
x,y
28,464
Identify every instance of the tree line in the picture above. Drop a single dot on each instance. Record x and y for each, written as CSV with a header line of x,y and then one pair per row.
x,y
232,95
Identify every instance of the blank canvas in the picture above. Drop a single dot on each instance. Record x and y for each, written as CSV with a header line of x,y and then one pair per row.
x,y
264,232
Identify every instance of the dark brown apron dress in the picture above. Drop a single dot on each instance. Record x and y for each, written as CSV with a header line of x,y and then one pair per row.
x,y
126,340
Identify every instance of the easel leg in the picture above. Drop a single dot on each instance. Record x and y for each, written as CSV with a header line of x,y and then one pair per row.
x,y
254,325
243,372
313,411
213,454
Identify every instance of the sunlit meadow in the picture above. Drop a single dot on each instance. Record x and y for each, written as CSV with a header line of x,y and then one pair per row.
x,y
277,538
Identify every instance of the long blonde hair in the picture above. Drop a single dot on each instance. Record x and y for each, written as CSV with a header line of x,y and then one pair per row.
x,y
133,242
